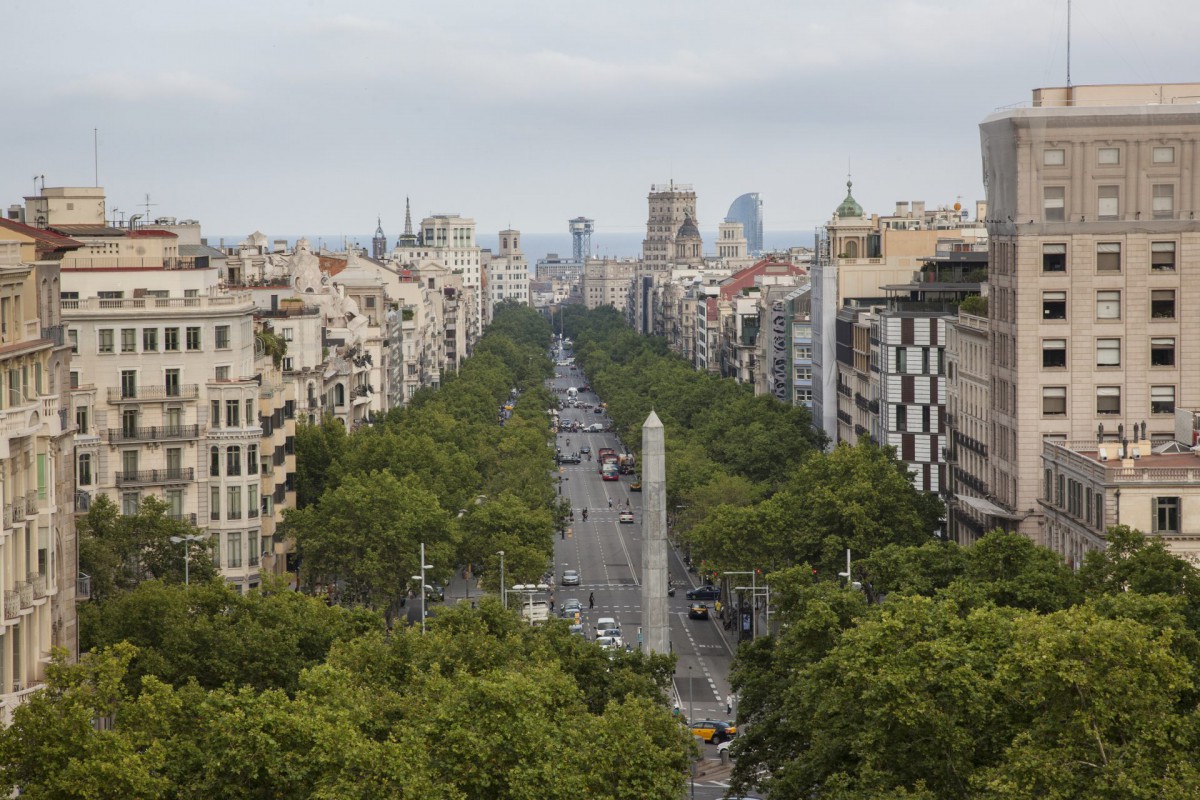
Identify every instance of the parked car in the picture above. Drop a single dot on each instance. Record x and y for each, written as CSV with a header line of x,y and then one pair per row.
x,y
625,517
706,592
570,577
713,730
697,611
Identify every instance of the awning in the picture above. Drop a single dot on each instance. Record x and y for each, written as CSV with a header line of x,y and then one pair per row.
x,y
985,507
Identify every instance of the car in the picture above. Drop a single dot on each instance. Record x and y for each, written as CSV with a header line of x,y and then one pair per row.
x,y
636,486
706,592
570,577
713,730
613,632
595,427
609,642
576,629
585,450
697,610
570,607
605,623
570,458
597,410
625,517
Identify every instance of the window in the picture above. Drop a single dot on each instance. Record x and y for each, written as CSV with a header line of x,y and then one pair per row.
x,y
81,420
901,418
1054,203
1162,352
1162,303
128,383
1108,202
216,549
1108,257
128,340
1054,258
1108,305
1054,305
171,385
73,340
1166,515
901,359
222,337
1162,256
1163,155
1108,399
249,412
233,502
1162,399
1047,485
233,549
106,340
193,338
1108,156
214,414
232,415
1164,201
1054,401
214,461
74,379
252,546
1060,485
251,459
150,339
286,334
171,339
252,501
233,461
129,503
83,470
1108,352
129,423
174,498
214,506
222,373
288,364
1054,353
1054,157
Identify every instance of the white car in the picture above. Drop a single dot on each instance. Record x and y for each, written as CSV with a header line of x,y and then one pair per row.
x,y
570,577
625,516
595,427
610,642
604,623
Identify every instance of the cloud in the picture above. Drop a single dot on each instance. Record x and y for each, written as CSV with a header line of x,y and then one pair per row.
x,y
126,87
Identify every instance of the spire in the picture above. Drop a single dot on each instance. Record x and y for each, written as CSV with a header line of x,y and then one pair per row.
x,y
379,242
407,218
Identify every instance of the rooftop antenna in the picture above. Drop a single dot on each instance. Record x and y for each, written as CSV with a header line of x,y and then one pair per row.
x,y
96,156
1068,44
148,204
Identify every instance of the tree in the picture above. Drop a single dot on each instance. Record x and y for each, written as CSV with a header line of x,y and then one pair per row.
x,y
120,551
317,448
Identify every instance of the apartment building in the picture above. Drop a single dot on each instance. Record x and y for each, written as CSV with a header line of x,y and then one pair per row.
x,y
448,239
606,282
670,206
785,345
38,554
1091,196
969,511
507,274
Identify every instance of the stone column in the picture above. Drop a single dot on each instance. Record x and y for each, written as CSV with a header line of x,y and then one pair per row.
x,y
655,622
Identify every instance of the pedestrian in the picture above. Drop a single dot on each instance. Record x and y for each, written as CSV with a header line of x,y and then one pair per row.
x,y
551,605
592,600
610,502
729,704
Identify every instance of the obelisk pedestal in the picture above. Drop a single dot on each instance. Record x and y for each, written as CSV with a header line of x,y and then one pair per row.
x,y
655,620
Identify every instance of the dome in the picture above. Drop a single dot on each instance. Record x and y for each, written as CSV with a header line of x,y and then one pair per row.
x,y
688,229
849,206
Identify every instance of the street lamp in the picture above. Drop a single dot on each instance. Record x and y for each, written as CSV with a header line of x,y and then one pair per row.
x,y
503,590
421,578
187,548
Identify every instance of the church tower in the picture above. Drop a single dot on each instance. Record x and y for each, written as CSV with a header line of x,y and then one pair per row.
x,y
379,243
407,239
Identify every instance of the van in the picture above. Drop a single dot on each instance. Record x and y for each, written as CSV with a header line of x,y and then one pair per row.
x,y
605,623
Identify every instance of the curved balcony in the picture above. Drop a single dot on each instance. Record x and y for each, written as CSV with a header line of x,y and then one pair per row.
x,y
154,433
156,476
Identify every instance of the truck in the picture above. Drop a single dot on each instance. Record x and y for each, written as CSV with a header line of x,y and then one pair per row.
x,y
572,393
626,463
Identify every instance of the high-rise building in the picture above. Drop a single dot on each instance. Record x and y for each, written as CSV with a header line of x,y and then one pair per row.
x,y
671,205
747,210
1091,196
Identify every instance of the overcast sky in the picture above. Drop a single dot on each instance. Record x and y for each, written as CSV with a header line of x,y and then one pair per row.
x,y
308,116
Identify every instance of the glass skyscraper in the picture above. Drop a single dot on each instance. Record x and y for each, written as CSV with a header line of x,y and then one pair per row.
x,y
747,210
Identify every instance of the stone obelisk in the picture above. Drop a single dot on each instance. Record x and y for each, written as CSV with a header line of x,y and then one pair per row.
x,y
655,622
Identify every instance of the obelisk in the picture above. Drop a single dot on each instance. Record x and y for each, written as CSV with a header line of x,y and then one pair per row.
x,y
655,622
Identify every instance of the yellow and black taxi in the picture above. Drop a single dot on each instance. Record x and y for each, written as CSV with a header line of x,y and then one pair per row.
x,y
697,610
712,730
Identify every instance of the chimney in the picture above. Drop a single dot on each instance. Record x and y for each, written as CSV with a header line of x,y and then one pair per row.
x,y
901,208
918,208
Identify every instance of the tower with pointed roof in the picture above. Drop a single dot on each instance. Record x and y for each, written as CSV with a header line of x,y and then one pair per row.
x,y
379,242
849,229
408,238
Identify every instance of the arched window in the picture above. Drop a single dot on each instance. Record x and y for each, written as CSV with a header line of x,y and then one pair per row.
x,y
851,249
233,460
339,395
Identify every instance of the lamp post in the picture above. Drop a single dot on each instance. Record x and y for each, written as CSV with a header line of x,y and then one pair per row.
x,y
421,578
187,548
503,588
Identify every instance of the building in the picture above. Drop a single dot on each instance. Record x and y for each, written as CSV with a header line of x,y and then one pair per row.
x,y
1093,238
748,210
38,554
507,274
785,345
969,511
606,282
732,247
671,205
448,239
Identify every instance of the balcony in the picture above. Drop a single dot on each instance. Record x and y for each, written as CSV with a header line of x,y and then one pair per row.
x,y
190,519
156,305
56,334
31,503
83,586
12,604
154,433
38,583
25,593
152,476
136,394
15,511
83,501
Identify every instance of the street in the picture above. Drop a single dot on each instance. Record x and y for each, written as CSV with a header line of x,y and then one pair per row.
x,y
608,556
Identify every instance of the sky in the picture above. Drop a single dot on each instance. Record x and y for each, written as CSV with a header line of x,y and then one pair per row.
x,y
313,117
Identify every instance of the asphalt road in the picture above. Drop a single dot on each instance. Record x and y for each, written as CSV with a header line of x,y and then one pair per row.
x,y
608,556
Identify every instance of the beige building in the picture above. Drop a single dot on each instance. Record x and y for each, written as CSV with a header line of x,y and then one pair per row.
x,y
606,282
506,274
38,555
670,206
969,512
1091,194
